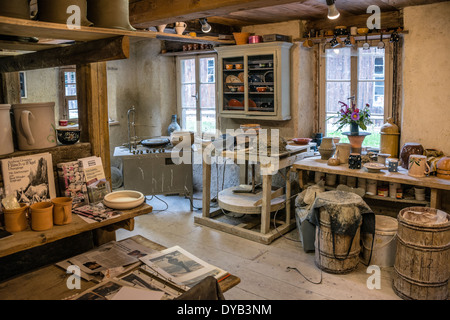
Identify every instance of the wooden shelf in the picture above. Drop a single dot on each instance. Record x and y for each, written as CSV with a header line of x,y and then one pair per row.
x,y
359,37
187,53
47,30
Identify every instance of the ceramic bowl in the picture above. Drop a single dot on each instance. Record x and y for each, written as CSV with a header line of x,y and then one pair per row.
x,y
261,89
228,66
374,167
239,66
124,200
68,136
302,141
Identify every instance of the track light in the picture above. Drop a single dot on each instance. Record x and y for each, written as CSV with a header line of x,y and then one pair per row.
x,y
206,27
333,13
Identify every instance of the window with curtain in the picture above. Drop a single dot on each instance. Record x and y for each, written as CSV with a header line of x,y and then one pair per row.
x,y
197,96
362,73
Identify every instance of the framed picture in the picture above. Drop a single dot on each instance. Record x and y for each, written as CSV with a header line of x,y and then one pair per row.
x,y
23,84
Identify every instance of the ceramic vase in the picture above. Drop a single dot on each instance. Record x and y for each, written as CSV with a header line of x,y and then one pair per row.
x,y
343,152
112,14
180,27
408,149
354,128
327,148
56,11
173,126
6,138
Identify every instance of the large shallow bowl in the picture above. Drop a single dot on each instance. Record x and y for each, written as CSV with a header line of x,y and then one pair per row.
x,y
124,200
302,141
68,136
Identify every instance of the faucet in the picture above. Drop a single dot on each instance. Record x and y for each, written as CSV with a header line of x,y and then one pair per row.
x,y
131,113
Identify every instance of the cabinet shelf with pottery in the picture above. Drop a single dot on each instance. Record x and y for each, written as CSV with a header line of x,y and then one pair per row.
x,y
436,185
262,72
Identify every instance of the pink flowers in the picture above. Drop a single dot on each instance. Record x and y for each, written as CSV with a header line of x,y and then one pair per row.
x,y
351,114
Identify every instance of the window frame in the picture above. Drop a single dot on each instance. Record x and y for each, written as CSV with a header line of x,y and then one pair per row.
x,y
388,81
198,109
64,100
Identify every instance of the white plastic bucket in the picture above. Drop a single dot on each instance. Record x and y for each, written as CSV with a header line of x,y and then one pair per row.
x,y
385,245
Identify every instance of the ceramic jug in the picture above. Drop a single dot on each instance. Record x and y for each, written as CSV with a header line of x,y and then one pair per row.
x,y
180,27
35,125
418,166
6,138
408,149
56,11
19,9
114,14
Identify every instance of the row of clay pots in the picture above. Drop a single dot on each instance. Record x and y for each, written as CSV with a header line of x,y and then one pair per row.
x,y
43,215
100,13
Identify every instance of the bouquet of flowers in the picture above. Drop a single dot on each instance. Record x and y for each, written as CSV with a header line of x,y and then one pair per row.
x,y
353,116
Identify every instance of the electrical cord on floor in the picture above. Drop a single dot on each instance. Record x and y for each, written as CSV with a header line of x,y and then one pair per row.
x,y
167,206
294,240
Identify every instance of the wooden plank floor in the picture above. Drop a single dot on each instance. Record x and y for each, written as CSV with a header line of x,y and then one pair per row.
x,y
262,268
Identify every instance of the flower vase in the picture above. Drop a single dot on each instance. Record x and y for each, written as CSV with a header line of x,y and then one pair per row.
x,y
354,128
173,126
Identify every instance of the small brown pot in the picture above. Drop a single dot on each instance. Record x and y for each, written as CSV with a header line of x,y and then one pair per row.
x,y
16,219
41,216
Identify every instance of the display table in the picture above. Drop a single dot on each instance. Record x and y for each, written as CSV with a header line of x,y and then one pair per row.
x,y
28,239
49,283
435,184
265,202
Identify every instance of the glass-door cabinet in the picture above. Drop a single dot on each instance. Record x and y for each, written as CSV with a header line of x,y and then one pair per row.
x,y
254,81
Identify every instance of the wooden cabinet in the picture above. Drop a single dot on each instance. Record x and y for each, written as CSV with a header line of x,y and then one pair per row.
x,y
254,81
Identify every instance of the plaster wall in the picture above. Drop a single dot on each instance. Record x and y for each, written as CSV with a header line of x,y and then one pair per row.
x,y
426,76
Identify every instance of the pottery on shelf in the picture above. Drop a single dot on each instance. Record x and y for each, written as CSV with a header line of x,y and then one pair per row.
x,y
408,149
19,9
343,152
35,123
327,148
180,27
114,14
6,138
443,168
68,135
389,138
56,11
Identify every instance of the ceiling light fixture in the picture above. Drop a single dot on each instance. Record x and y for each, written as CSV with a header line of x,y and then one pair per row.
x,y
333,13
206,27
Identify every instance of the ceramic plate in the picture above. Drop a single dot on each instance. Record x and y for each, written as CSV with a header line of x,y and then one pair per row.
x,y
374,167
124,200
241,77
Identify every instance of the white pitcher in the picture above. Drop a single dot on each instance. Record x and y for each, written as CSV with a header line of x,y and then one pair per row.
x,y
6,138
35,125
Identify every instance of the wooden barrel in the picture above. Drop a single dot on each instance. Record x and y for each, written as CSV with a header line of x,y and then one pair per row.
x,y
421,269
339,255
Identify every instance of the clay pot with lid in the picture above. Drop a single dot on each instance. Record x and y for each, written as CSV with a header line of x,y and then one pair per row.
x,y
408,149
389,138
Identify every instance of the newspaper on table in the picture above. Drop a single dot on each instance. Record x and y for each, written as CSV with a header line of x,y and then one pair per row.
x,y
117,290
108,260
181,267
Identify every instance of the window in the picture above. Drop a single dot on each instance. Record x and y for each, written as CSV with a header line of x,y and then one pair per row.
x,y
197,94
68,88
363,73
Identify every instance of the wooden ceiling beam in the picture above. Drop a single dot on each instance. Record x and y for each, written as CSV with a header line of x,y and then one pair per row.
x,y
150,13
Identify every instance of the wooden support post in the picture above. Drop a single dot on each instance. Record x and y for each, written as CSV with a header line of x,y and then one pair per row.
x,y
266,200
288,195
10,88
93,110
206,185
435,198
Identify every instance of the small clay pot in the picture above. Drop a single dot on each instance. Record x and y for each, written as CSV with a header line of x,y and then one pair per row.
x,y
16,219
41,216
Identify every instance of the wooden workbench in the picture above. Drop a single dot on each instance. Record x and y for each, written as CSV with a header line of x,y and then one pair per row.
x,y
49,283
435,184
269,165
